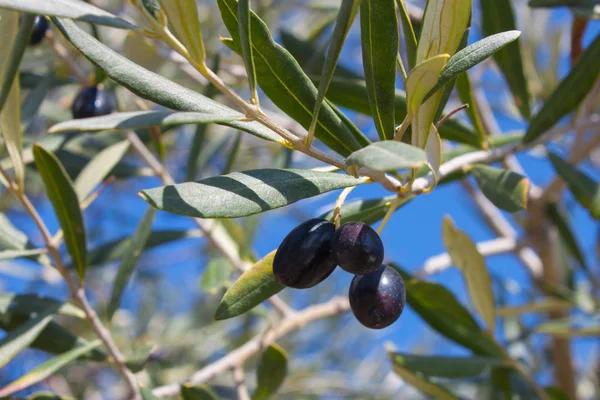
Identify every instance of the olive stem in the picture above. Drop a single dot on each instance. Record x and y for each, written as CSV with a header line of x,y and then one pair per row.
x,y
396,203
337,216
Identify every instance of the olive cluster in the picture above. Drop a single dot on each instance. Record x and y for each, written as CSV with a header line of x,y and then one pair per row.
x,y
312,250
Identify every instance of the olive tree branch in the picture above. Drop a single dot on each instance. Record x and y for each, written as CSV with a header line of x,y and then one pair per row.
x,y
240,382
333,307
77,293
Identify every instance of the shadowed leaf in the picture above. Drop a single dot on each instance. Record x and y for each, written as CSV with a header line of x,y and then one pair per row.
x,y
270,372
506,189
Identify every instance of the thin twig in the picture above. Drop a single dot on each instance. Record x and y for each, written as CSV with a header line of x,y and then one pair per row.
x,y
240,383
77,293
450,115
333,307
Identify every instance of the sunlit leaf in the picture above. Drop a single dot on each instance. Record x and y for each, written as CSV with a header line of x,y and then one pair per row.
x,y
387,155
498,16
197,392
468,259
379,37
74,9
240,194
366,211
570,327
466,96
246,45
543,306
63,197
584,188
149,85
252,288
183,19
130,258
136,361
270,372
215,275
46,369
410,40
506,189
423,384
569,94
284,82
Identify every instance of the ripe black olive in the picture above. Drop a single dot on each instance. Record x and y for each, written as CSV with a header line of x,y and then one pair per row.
x,y
304,257
38,32
377,299
357,248
92,102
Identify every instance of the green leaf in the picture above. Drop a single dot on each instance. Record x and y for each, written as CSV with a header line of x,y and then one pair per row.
x,y
493,142
147,394
48,396
32,103
506,189
441,311
149,85
136,361
240,194
246,45
73,9
25,305
423,384
446,367
379,37
46,369
12,238
346,15
252,288
215,275
468,259
63,197
19,339
366,211
137,244
198,392
10,102
283,81
466,96
410,40
472,55
569,94
182,16
12,254
584,188
142,119
97,169
352,93
388,155
270,372
498,16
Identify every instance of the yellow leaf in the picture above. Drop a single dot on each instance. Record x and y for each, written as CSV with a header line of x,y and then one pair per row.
x,y
468,259
444,24
434,151
422,79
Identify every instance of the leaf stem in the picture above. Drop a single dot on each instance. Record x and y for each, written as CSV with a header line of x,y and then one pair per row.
x,y
337,216
396,203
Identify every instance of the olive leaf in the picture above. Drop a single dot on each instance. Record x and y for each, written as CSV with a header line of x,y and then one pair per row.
x,y
506,189
388,155
270,371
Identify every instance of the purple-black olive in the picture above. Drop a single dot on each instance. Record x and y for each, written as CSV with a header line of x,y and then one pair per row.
x,y
92,102
38,32
377,299
357,248
304,257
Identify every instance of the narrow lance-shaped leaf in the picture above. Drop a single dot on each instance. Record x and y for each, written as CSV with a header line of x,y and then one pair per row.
x,y
270,372
46,369
366,211
410,40
388,155
183,18
198,392
240,194
468,259
97,169
141,119
18,340
584,188
498,16
472,55
74,9
466,96
149,85
246,45
25,305
423,384
379,37
63,197
346,15
446,367
10,103
130,258
252,288
215,275
441,311
506,189
569,94
281,78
